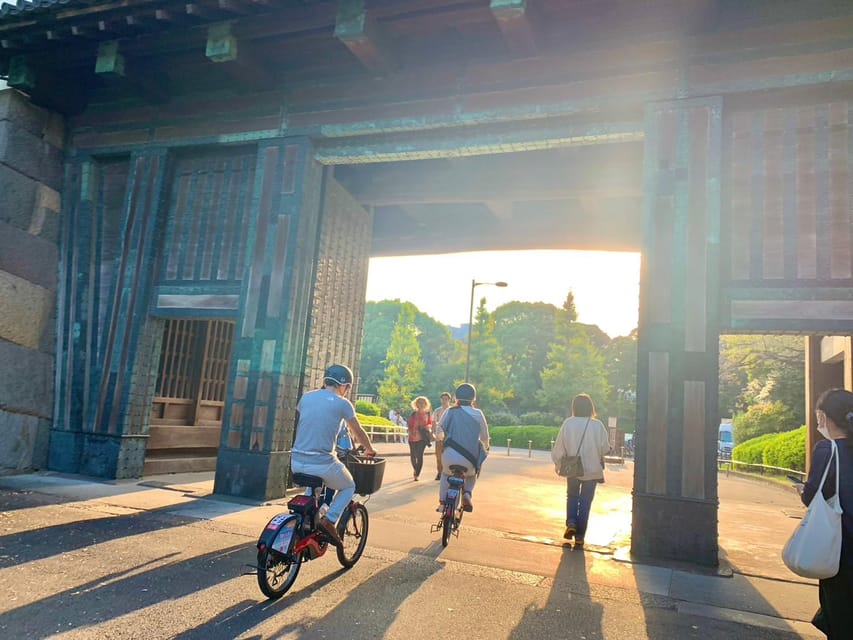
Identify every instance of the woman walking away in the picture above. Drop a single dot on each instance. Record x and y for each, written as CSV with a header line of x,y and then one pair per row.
x,y
835,422
420,433
581,435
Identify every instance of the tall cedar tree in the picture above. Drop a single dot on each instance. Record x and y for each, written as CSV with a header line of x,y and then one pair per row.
x,y
443,357
403,364
487,371
575,365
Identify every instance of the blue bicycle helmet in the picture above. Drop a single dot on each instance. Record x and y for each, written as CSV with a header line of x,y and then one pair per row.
x,y
466,393
338,374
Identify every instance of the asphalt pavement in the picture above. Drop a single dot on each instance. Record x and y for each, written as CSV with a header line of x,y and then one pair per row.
x,y
162,557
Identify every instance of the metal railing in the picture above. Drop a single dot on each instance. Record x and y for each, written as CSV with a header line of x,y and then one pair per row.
x,y
387,433
762,469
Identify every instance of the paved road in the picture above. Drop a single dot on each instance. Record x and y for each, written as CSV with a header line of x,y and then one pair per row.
x,y
161,559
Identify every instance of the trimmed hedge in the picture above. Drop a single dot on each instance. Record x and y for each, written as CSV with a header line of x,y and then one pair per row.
x,y
500,417
540,417
787,450
367,408
540,435
364,419
752,451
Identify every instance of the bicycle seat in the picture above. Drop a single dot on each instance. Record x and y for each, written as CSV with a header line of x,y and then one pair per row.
x,y
458,468
307,480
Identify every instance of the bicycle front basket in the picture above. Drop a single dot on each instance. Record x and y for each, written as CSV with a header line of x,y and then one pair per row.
x,y
367,473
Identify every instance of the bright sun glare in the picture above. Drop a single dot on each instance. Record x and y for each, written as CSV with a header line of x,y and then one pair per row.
x,y
606,284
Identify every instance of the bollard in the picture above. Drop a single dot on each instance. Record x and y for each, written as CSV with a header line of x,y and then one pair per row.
x,y
508,442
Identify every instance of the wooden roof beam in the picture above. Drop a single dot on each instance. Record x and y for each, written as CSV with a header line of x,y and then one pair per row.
x,y
363,36
45,89
80,31
113,66
484,181
238,61
513,18
234,6
198,11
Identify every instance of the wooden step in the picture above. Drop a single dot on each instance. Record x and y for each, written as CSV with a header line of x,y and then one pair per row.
x,y
157,466
183,437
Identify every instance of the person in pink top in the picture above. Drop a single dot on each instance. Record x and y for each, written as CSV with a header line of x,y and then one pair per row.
x,y
420,433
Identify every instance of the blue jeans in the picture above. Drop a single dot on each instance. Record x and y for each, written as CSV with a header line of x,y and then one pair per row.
x,y
579,495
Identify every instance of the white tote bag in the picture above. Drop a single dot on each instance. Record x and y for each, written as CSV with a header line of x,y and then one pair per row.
x,y
814,549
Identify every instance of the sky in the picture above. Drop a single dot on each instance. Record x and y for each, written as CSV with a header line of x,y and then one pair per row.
x,y
606,284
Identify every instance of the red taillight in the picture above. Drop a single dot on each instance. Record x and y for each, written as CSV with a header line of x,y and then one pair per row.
x,y
262,547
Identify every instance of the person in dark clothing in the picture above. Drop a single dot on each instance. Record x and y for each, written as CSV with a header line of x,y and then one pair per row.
x,y
835,422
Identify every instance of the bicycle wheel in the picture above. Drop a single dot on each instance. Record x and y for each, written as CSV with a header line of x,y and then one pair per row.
x,y
446,528
353,531
276,574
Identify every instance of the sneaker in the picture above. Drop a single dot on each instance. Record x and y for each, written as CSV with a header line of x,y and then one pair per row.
x,y
570,532
440,508
416,478
438,476
578,543
466,503
328,527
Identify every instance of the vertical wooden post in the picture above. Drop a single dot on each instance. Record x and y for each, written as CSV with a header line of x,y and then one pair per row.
x,y
820,376
675,484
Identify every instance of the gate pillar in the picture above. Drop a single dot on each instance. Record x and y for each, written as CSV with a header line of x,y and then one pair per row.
x,y
827,366
271,336
106,344
675,484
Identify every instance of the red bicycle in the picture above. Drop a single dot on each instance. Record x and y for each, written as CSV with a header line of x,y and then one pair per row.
x,y
291,538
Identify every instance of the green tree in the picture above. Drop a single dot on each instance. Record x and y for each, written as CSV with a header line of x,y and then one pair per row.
x,y
758,369
620,363
575,365
403,364
379,321
524,331
761,419
487,369
443,357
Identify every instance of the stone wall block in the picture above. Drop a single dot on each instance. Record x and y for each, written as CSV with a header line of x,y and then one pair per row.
x,y
29,154
26,383
45,218
42,443
47,343
15,108
54,131
18,197
25,310
18,440
27,256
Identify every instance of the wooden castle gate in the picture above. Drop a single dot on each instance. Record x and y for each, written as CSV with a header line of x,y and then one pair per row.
x,y
206,142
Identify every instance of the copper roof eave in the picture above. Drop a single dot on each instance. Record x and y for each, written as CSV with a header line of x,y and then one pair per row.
x,y
31,9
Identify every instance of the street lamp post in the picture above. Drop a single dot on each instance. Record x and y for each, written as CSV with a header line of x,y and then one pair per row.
x,y
471,320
